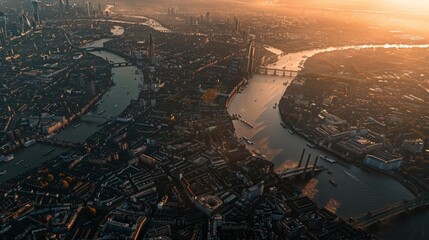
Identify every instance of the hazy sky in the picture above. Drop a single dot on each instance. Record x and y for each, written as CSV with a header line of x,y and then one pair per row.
x,y
387,5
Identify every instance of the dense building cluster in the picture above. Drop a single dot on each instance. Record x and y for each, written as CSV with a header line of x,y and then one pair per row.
x,y
361,108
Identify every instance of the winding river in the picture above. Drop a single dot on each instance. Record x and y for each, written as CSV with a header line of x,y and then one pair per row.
x,y
358,191
126,88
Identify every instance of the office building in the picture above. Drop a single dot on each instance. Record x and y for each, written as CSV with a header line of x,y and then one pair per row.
x,y
3,25
36,12
250,57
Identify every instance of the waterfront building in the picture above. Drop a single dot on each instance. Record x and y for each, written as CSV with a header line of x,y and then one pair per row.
x,y
383,161
413,145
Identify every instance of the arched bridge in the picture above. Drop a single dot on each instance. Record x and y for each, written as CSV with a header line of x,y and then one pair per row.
x,y
277,71
385,213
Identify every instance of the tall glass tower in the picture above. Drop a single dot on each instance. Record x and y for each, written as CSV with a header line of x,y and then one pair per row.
x,y
36,11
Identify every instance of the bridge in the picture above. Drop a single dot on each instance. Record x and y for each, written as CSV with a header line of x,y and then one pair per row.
x,y
92,49
385,213
59,143
290,173
90,116
277,72
121,64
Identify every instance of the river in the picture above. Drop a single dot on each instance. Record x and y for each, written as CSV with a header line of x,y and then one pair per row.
x,y
126,88
358,191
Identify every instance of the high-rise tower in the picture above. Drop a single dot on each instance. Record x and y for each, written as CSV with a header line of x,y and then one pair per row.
x,y
61,4
250,57
67,6
151,50
3,26
36,11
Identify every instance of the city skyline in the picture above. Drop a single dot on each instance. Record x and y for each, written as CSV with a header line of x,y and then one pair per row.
x,y
214,120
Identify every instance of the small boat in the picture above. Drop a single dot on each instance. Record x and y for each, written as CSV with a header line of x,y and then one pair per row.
x,y
333,182
247,141
310,145
275,106
77,125
3,172
17,163
115,106
49,152
7,158
101,112
283,125
291,131
245,122
327,159
29,143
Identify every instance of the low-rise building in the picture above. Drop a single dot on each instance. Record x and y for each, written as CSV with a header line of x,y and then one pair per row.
x,y
383,161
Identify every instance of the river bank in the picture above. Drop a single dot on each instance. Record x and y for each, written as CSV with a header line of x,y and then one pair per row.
x,y
359,190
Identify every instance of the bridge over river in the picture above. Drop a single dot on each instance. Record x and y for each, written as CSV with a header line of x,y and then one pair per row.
x,y
112,64
385,213
277,71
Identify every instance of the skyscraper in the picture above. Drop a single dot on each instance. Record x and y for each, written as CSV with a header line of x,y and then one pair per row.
x,y
208,17
67,6
25,23
3,28
61,3
36,11
88,8
250,57
150,48
2,38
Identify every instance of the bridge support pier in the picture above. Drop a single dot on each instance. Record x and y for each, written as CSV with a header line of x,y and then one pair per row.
x,y
314,166
302,156
306,166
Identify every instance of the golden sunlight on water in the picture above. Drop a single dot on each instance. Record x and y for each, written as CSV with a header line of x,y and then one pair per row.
x,y
310,189
333,205
286,165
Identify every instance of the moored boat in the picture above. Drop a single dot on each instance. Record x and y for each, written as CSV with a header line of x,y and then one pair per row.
x,y
327,159
29,143
7,158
